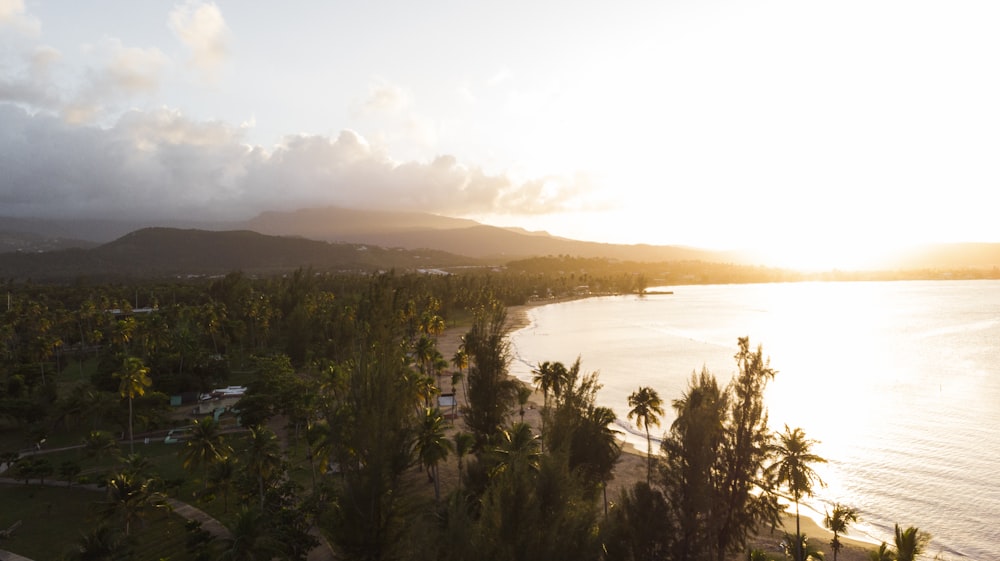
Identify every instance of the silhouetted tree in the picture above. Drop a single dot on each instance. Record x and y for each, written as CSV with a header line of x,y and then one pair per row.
x,y
646,408
837,521
793,470
910,543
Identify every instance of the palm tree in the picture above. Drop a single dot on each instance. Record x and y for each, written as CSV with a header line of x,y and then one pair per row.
x,y
250,539
98,444
134,380
647,408
910,543
549,378
433,445
459,360
595,447
809,552
132,498
222,478
263,457
424,351
103,543
205,445
137,465
837,522
464,443
518,445
793,470
883,553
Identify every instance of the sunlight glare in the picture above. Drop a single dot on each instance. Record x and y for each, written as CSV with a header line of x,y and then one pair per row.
x,y
845,255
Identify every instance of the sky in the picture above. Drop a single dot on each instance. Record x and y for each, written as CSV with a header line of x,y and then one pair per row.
x,y
813,131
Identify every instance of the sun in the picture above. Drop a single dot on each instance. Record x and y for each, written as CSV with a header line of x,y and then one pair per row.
x,y
827,255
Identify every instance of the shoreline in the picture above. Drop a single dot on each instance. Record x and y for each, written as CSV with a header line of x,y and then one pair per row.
x,y
631,467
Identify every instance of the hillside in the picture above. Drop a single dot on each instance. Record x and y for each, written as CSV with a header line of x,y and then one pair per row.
x,y
176,252
412,230
422,232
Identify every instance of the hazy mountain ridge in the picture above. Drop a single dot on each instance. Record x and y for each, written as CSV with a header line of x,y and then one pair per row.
x,y
412,230
447,240
152,252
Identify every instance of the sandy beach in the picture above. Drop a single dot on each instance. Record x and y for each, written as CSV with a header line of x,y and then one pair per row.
x,y
631,467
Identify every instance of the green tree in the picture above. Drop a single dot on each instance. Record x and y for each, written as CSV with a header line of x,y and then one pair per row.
x,y
646,408
793,470
463,445
102,543
433,445
548,377
797,545
99,444
518,446
910,543
205,445
222,478
131,498
739,508
883,553
68,470
375,446
837,521
137,465
262,457
135,379
250,540
490,391
691,452
635,530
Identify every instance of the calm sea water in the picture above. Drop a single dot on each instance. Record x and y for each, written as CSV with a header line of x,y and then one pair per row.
x,y
899,381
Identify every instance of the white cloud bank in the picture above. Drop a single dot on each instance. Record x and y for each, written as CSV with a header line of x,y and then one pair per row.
x,y
159,164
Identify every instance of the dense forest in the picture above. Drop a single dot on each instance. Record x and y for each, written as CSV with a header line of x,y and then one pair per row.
x,y
338,439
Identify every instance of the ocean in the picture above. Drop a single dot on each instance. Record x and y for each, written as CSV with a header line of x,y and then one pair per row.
x,y
899,382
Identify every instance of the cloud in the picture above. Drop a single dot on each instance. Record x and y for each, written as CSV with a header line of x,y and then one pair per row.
x,y
131,69
31,84
162,165
202,29
119,73
116,73
383,98
13,14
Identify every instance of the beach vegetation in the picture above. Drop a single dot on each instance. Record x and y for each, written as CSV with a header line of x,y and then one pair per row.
x,y
910,542
433,446
838,521
689,468
797,546
793,469
491,392
711,491
339,423
646,408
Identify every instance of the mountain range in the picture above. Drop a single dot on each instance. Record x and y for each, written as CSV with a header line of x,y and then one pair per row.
x,y
348,239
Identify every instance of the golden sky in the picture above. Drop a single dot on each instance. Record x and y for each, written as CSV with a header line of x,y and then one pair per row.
x,y
788,126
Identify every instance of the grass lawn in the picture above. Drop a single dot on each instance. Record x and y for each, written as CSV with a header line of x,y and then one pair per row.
x,y
52,519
